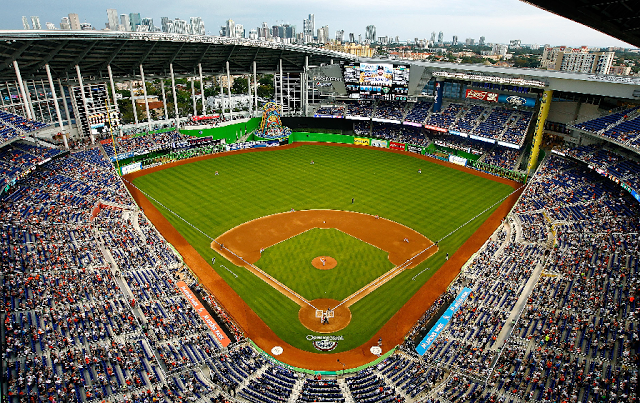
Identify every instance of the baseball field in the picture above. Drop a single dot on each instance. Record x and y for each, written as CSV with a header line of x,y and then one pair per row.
x,y
437,207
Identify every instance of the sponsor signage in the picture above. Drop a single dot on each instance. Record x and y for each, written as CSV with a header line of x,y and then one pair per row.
x,y
517,100
490,79
406,123
486,140
361,141
436,128
443,321
414,149
379,143
396,146
328,116
457,160
355,117
204,315
510,145
482,95
122,156
457,133
397,122
127,169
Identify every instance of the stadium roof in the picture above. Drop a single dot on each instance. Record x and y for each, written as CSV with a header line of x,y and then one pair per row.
x,y
125,51
618,18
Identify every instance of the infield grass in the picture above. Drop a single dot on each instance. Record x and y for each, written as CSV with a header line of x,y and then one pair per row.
x,y
434,203
358,263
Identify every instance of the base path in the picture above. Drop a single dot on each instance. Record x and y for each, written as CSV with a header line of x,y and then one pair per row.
x,y
392,332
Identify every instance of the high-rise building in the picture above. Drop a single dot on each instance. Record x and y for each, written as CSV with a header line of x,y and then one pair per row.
x,y
359,38
135,21
579,60
230,28
25,22
51,25
481,41
178,26
146,25
64,23
499,50
339,35
239,31
440,38
112,19
352,38
85,26
253,34
323,34
197,26
515,44
454,42
308,28
125,22
35,22
74,21
470,41
264,31
164,24
433,37
370,33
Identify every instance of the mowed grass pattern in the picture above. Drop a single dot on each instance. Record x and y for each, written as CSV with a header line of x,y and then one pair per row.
x,y
358,263
253,185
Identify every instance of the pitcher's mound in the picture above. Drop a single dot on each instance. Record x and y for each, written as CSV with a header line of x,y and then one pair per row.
x,y
340,320
324,262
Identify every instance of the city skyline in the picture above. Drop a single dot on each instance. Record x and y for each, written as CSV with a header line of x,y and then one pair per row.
x,y
499,21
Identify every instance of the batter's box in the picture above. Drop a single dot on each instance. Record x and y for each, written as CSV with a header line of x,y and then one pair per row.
x,y
319,313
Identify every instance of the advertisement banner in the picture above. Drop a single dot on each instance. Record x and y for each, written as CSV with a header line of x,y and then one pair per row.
x,y
122,156
436,128
443,321
414,124
379,143
414,149
457,133
361,141
204,315
482,95
127,169
438,94
517,100
396,146
457,160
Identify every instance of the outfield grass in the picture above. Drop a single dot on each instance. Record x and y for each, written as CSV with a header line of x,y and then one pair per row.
x,y
358,263
253,185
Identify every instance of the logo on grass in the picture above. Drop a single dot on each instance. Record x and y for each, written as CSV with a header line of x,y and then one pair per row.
x,y
324,343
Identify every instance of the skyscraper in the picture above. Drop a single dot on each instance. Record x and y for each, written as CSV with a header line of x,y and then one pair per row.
x,y
440,38
125,22
74,21
352,38
370,33
455,40
64,23
308,28
481,41
35,22
164,24
323,34
230,28
146,25
25,22
197,26
433,37
51,26
339,35
112,19
135,21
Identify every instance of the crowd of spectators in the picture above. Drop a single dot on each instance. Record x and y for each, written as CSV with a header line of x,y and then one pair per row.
x,y
90,310
12,126
622,126
143,143
359,109
419,112
389,110
331,111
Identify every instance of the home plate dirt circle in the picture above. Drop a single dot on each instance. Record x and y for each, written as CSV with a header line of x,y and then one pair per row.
x,y
340,320
329,262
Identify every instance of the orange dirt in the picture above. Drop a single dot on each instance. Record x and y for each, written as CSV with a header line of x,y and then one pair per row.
x,y
392,332
329,262
340,320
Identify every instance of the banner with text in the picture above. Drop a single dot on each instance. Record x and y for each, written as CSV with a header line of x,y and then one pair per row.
x,y
443,321
482,95
396,146
361,141
202,311
379,143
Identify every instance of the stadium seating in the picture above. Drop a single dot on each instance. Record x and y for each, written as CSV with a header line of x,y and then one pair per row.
x,y
91,311
13,126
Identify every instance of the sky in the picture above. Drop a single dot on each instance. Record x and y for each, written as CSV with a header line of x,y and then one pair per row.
x,y
499,21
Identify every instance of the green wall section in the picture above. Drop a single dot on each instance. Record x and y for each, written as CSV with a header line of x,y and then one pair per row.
x,y
321,137
230,133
